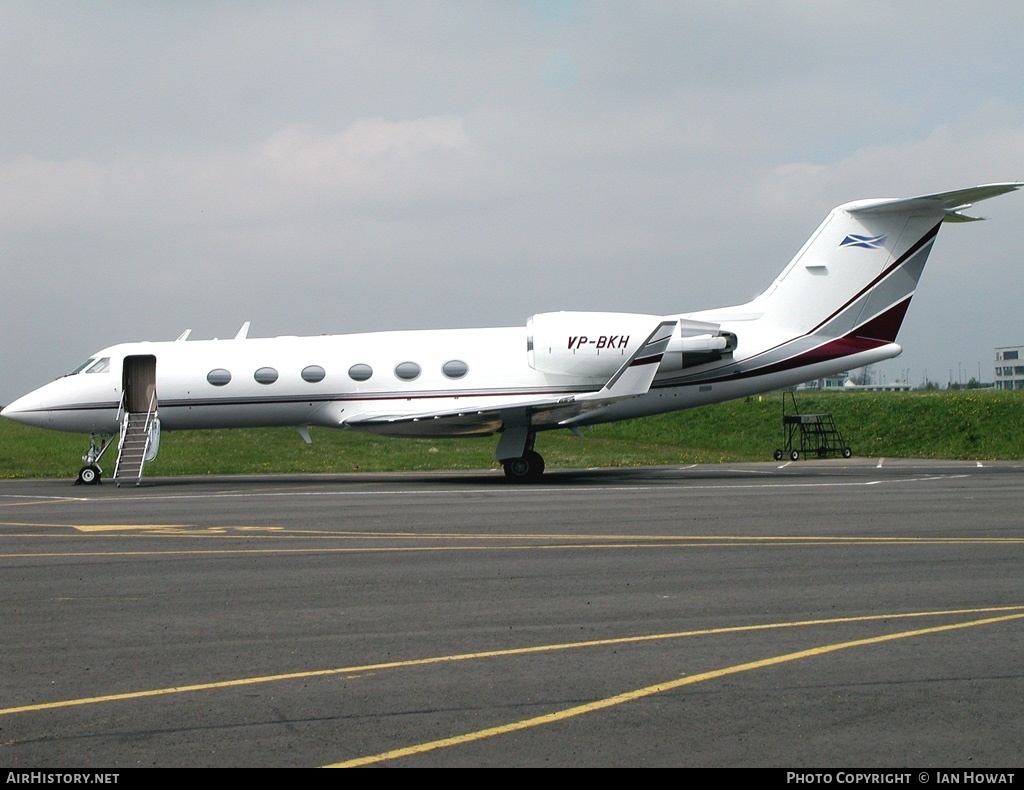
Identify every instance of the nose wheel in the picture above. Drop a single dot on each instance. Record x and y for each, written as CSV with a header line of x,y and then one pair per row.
x,y
89,475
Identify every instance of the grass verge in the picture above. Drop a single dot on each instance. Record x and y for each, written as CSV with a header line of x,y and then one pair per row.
x,y
967,424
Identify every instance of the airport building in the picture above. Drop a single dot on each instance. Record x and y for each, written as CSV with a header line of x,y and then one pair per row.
x,y
842,382
892,386
1010,368
835,382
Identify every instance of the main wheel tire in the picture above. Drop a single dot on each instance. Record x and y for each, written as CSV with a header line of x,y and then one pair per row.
x,y
536,463
527,469
516,468
89,475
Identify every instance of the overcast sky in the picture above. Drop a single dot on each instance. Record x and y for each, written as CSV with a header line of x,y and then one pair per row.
x,y
330,167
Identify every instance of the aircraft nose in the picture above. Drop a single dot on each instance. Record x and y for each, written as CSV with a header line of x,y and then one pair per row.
x,y
21,411
75,404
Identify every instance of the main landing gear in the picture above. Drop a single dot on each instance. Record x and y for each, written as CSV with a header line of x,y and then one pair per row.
x,y
91,474
517,456
526,469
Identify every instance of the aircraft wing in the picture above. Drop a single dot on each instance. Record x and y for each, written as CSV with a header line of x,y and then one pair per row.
x,y
479,421
633,378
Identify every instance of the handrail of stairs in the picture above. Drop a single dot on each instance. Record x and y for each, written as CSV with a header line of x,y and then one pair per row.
x,y
150,417
122,417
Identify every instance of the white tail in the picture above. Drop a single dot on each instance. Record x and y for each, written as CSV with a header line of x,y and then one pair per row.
x,y
848,288
855,276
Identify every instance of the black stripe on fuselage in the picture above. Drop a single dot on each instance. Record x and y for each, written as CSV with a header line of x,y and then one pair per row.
x,y
347,397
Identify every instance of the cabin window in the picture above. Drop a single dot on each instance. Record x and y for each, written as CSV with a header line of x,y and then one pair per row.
x,y
265,375
313,374
360,372
407,371
218,377
100,366
455,369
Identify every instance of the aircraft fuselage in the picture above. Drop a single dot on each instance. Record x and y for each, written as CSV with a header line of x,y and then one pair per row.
x,y
329,379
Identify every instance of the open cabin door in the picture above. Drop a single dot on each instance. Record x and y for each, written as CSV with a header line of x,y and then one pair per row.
x,y
140,428
138,379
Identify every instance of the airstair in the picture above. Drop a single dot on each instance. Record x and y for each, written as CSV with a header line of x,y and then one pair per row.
x,y
140,434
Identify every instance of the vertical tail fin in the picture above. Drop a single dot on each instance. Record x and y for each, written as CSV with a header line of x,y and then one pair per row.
x,y
855,276
843,297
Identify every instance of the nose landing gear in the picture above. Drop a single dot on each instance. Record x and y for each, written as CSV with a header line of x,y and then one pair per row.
x,y
91,474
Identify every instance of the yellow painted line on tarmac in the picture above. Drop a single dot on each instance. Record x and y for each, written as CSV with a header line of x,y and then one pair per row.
x,y
225,531
93,527
487,542
45,501
1018,611
125,527
414,549
658,688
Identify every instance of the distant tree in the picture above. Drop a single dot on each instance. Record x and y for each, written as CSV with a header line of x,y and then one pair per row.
x,y
862,376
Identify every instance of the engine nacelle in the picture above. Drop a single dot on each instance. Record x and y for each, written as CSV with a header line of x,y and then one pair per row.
x,y
697,343
590,345
594,345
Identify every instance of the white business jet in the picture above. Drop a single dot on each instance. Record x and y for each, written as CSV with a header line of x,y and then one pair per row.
x,y
837,306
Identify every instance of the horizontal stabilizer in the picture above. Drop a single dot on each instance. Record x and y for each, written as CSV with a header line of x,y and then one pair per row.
x,y
949,203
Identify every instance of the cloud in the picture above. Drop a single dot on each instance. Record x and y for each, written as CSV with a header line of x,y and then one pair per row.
x,y
336,168
370,164
982,147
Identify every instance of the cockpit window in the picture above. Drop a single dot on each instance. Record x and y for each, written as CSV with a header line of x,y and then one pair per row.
x,y
101,366
83,366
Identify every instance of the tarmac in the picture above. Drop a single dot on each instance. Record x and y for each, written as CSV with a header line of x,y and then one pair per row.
x,y
860,613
